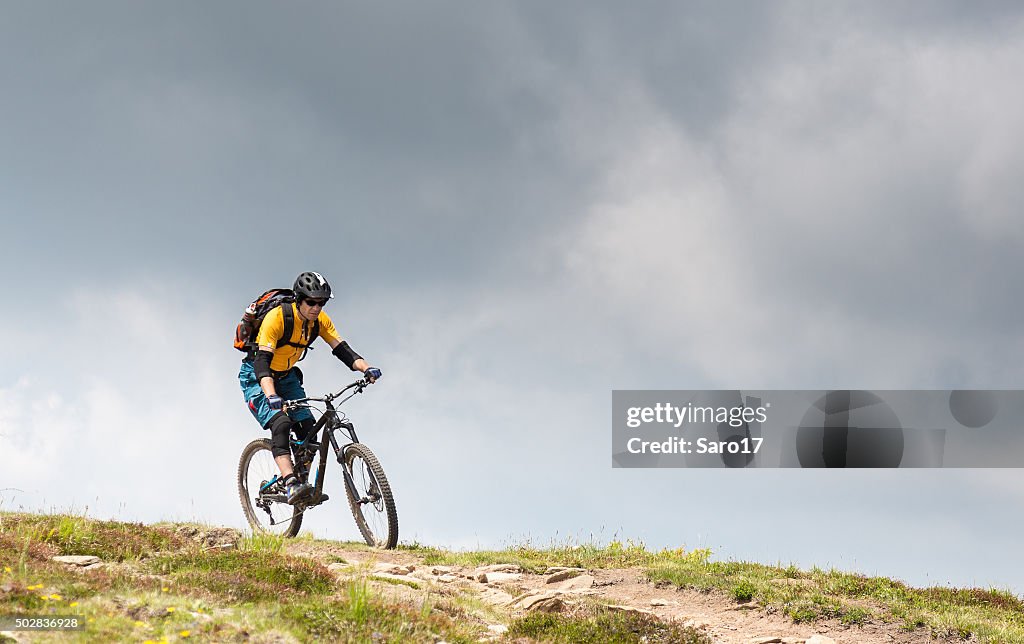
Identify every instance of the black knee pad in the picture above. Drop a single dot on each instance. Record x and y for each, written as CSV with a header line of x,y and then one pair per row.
x,y
280,425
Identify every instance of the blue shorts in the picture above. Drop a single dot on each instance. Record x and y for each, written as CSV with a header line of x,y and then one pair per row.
x,y
288,387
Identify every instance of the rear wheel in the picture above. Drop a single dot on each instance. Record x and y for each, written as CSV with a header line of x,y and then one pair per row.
x,y
371,500
262,495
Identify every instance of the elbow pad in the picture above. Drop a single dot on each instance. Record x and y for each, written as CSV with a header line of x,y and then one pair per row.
x,y
261,364
345,353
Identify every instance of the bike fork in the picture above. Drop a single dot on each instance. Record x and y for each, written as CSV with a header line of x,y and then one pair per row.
x,y
373,492
351,485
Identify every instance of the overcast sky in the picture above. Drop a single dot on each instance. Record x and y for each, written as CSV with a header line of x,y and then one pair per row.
x,y
521,207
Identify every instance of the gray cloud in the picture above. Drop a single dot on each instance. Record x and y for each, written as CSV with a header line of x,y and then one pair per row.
x,y
522,207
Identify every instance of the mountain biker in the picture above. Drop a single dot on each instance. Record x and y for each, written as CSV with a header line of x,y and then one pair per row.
x,y
268,375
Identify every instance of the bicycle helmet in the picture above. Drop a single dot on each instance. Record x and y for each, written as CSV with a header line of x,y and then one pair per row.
x,y
312,285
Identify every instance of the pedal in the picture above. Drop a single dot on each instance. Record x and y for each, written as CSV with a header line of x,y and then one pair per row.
x,y
323,498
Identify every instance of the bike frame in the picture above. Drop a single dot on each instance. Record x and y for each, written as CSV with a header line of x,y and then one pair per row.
x,y
330,422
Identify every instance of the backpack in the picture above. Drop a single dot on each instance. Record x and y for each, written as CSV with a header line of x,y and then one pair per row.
x,y
248,328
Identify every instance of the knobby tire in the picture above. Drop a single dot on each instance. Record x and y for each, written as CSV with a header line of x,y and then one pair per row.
x,y
356,451
255,515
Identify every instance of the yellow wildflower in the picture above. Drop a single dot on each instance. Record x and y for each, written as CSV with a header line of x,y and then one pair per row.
x,y
185,633
73,604
165,589
7,569
56,596
170,609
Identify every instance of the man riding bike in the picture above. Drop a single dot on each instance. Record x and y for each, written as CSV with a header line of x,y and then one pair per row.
x,y
268,375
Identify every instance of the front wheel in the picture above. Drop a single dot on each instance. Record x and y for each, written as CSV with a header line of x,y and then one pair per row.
x,y
370,497
261,492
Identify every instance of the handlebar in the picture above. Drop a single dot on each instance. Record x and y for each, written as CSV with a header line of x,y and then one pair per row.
x,y
358,385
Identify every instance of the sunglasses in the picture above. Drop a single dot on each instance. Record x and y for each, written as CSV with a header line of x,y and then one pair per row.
x,y
314,302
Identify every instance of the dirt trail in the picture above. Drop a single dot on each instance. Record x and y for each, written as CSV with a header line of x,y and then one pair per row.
x,y
512,593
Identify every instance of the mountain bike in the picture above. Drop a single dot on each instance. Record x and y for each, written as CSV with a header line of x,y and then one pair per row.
x,y
262,491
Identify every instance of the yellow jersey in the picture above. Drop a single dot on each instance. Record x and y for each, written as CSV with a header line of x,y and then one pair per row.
x,y
286,355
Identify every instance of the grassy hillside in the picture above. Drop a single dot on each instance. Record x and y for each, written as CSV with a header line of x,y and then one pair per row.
x,y
174,583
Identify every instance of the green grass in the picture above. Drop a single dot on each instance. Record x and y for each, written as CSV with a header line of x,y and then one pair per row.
x,y
76,535
395,582
743,591
855,616
597,625
164,586
262,542
575,555
370,620
991,615
244,576
160,584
